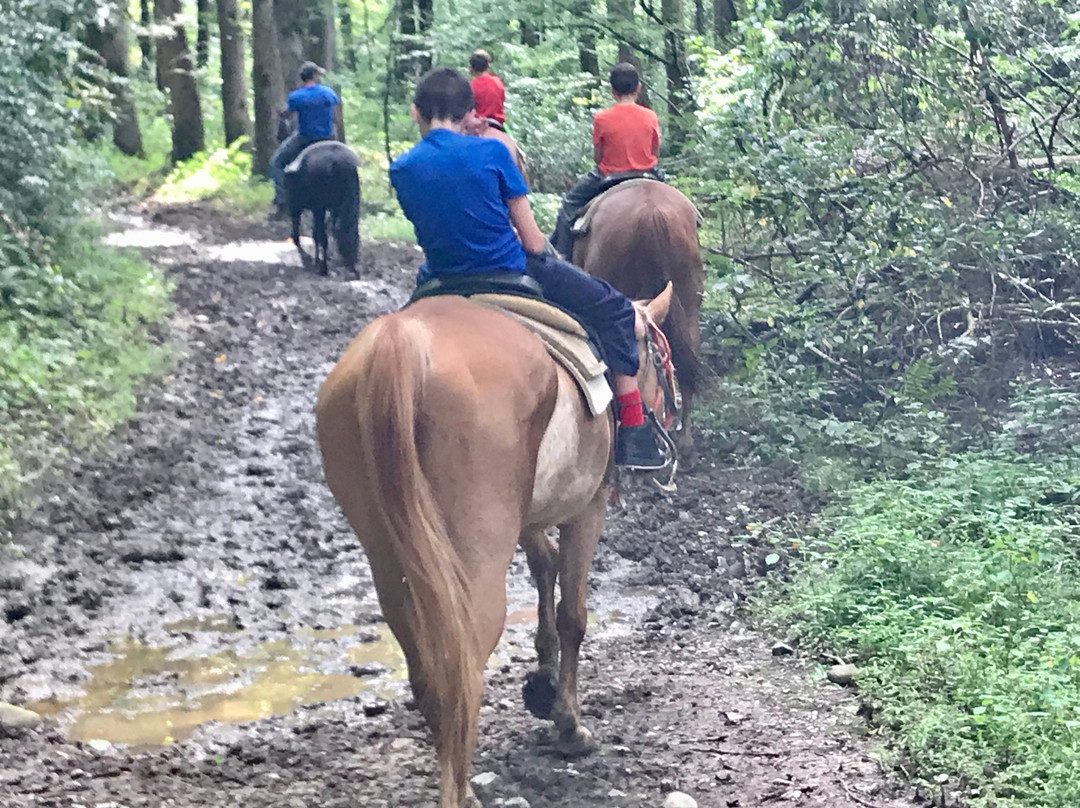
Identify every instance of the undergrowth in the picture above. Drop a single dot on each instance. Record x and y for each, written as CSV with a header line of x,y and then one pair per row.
x,y
957,593
76,322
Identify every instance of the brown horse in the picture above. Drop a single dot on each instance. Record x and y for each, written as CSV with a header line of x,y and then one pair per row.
x,y
448,436
642,237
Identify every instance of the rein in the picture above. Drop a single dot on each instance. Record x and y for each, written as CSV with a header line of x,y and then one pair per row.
x,y
668,400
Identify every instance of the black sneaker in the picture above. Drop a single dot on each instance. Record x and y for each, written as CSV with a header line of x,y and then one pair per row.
x,y
636,448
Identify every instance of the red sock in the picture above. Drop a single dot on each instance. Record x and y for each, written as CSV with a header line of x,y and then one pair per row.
x,y
631,410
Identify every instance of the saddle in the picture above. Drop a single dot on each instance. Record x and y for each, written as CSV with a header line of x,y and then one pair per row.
x,y
520,298
318,146
613,183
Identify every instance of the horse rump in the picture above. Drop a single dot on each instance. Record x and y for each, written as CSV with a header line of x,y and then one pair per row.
x,y
325,180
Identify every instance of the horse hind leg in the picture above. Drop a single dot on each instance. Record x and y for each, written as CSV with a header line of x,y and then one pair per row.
x,y
321,242
541,685
577,546
296,237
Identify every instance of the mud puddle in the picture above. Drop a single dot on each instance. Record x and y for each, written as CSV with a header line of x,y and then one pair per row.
x,y
150,695
195,576
159,695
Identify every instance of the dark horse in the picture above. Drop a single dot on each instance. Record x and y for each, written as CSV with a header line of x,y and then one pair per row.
x,y
324,180
643,235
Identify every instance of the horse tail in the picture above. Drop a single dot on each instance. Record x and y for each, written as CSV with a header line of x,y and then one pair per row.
x,y
347,219
671,259
389,385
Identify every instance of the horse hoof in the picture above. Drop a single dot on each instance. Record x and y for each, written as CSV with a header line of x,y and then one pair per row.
x,y
539,692
577,743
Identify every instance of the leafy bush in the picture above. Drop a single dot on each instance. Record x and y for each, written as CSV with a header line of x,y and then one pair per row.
x,y
75,340
883,245
957,592
223,174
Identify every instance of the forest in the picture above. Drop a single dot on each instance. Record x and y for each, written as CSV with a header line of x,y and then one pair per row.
x,y
891,226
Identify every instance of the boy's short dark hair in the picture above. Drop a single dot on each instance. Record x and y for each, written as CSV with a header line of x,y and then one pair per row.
x,y
309,70
443,93
625,78
479,61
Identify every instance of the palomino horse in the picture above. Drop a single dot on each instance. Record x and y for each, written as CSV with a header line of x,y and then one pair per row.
x,y
325,180
448,436
643,236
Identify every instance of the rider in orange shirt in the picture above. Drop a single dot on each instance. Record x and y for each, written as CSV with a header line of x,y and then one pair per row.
x,y
626,137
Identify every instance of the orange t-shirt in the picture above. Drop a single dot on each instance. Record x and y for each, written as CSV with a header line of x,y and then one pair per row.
x,y
629,137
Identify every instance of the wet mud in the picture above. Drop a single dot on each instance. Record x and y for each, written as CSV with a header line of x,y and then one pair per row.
x,y
194,619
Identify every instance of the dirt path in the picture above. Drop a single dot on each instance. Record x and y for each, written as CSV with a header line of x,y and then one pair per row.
x,y
192,612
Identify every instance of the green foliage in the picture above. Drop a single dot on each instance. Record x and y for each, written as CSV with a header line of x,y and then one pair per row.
x,y
880,243
75,340
957,593
222,175
46,93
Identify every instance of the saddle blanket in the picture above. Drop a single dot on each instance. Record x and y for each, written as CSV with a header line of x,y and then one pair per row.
x,y
566,341
584,220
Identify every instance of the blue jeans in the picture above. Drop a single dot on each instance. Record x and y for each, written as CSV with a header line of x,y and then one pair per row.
x,y
287,151
608,311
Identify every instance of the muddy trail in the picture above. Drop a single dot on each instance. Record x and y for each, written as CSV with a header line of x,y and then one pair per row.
x,y
196,623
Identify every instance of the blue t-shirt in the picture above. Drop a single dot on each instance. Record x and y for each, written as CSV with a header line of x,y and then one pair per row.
x,y
315,107
454,189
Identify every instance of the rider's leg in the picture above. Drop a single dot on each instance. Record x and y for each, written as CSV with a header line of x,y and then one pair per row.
x,y
287,151
576,198
611,314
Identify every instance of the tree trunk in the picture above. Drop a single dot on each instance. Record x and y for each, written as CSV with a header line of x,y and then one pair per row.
x,y
146,42
425,18
305,32
724,17
266,76
699,17
408,41
110,41
204,21
621,18
348,40
174,62
586,37
233,84
788,7
530,33
321,39
367,39
680,100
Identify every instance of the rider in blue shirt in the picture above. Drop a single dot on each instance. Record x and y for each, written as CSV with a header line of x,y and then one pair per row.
x,y
469,206
314,106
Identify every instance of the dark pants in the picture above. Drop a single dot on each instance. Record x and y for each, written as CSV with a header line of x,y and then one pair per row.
x,y
287,151
608,311
576,198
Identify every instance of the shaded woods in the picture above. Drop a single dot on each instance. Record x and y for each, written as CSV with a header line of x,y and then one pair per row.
x,y
889,192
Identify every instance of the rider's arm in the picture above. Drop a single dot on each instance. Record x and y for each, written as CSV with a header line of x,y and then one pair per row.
x,y
598,153
521,216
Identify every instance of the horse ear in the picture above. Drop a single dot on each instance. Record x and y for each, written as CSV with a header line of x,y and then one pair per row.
x,y
658,307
